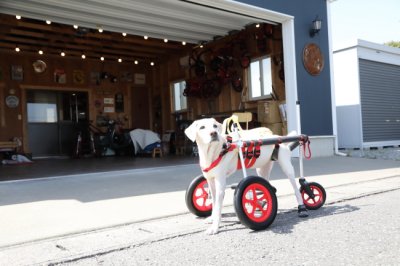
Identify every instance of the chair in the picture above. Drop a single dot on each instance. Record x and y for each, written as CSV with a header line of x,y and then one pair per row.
x,y
245,117
237,118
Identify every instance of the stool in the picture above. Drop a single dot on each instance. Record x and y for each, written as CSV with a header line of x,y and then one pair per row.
x,y
156,151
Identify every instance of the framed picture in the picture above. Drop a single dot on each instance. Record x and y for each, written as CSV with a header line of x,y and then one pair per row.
x,y
78,77
108,100
95,78
60,76
126,76
140,79
17,73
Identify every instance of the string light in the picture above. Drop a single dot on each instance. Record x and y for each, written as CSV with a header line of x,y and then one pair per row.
x,y
18,17
62,54
119,60
124,34
136,62
183,43
17,49
100,30
257,25
165,40
152,64
48,22
102,58
75,27
145,37
83,56
40,52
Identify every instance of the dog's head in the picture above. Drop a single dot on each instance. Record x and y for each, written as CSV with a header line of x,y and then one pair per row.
x,y
204,131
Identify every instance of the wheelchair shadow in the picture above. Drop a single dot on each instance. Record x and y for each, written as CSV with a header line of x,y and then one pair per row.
x,y
286,220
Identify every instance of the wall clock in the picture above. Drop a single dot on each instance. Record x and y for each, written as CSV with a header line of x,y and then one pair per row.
x,y
313,59
12,101
39,66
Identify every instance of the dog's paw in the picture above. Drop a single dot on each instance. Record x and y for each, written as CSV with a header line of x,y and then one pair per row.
x,y
208,220
212,230
302,211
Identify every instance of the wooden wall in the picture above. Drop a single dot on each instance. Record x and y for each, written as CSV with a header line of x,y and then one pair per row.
x,y
13,120
229,100
146,105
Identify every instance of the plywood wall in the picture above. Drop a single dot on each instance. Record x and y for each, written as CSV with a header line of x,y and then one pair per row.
x,y
147,104
13,120
229,100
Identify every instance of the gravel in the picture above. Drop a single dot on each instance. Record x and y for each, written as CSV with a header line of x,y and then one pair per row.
x,y
389,153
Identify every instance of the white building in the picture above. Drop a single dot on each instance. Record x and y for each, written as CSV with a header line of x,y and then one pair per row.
x,y
367,92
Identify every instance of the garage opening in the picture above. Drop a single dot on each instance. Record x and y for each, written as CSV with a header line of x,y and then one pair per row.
x,y
171,65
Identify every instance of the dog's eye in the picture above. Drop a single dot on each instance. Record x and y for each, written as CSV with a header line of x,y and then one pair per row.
x,y
202,127
215,126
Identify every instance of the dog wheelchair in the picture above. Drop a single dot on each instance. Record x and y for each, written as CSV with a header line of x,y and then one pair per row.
x,y
255,200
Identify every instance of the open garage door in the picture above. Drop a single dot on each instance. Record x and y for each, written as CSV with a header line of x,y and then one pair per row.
x,y
138,31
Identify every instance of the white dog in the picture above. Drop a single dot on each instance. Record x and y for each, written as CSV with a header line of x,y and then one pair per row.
x,y
208,135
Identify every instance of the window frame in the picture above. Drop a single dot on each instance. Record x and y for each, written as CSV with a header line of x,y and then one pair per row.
x,y
182,83
262,89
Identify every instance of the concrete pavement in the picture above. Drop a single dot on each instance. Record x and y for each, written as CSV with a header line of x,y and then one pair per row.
x,y
72,216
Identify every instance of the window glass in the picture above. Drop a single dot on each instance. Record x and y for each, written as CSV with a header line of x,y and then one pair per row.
x,y
179,100
42,112
255,79
260,78
267,76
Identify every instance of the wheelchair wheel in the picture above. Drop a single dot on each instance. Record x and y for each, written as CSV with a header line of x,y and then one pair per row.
x,y
319,199
198,198
255,203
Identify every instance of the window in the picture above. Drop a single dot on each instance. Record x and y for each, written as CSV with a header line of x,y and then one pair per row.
x,y
260,78
179,101
42,112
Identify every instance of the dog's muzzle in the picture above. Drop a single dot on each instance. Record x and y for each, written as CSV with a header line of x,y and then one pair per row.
x,y
214,136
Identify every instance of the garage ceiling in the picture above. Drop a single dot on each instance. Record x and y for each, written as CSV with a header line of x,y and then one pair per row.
x,y
178,21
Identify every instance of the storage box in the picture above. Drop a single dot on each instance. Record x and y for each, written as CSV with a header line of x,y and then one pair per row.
x,y
276,128
268,112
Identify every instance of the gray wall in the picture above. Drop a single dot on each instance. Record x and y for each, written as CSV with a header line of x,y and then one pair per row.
x,y
314,92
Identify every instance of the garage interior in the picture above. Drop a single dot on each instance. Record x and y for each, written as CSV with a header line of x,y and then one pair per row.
x,y
135,50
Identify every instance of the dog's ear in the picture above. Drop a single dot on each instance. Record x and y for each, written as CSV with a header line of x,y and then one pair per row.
x,y
191,131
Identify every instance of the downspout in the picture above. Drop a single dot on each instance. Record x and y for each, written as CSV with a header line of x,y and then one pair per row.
x,y
333,98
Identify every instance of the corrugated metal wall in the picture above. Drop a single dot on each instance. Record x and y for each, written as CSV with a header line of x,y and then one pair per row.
x,y
380,101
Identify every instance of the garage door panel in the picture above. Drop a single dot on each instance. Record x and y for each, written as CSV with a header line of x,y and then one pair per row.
x,y
380,100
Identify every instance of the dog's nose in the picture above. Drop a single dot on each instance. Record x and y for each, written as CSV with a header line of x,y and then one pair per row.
x,y
213,134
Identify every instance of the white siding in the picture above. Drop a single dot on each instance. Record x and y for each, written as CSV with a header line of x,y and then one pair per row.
x,y
377,81
349,126
347,91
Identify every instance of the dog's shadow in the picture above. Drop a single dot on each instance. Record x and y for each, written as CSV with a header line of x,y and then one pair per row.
x,y
286,220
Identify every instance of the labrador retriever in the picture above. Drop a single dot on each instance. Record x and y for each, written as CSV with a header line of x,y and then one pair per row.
x,y
208,135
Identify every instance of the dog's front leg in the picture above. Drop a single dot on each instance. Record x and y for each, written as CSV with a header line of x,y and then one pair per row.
x,y
211,189
218,199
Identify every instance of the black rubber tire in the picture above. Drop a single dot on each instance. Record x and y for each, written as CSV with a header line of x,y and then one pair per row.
x,y
191,203
267,194
320,196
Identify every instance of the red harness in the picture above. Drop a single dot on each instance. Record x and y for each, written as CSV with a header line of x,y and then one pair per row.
x,y
251,150
250,154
